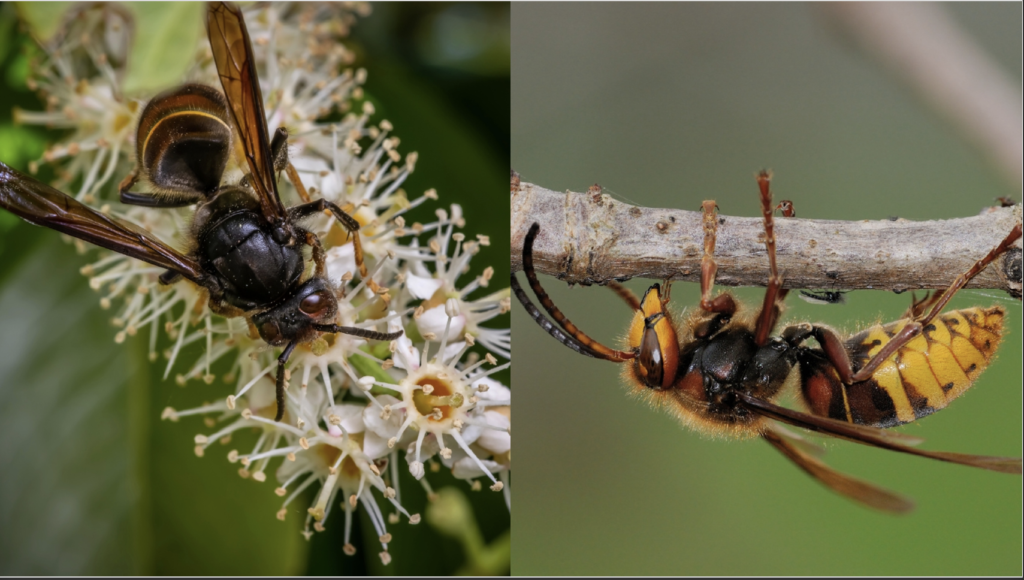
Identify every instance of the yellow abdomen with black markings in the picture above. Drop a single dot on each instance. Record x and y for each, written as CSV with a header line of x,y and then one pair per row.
x,y
922,377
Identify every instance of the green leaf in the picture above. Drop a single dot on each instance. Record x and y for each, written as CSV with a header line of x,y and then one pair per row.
x,y
369,367
164,46
68,495
7,220
452,515
93,482
44,18
19,144
18,71
6,34
467,37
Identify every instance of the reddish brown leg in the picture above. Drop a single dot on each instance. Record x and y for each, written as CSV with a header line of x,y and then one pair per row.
x,y
357,247
293,176
914,328
319,256
666,297
976,269
129,181
351,226
708,268
917,307
774,294
787,209
836,353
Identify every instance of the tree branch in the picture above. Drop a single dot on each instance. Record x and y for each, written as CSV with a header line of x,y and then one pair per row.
x,y
590,238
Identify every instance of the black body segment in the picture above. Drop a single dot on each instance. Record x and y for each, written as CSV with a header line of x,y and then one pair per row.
x,y
255,269
289,321
714,370
185,140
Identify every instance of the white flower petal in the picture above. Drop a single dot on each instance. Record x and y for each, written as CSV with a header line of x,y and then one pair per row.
x,y
427,450
466,468
304,461
435,319
306,163
394,321
385,428
340,259
495,390
470,433
496,440
404,350
331,187
351,417
375,446
451,350
263,394
422,287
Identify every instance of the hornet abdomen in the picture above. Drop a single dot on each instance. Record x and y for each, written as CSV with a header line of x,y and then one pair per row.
x,y
922,377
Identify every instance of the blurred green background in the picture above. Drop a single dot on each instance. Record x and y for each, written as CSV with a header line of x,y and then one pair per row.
x,y
92,482
669,104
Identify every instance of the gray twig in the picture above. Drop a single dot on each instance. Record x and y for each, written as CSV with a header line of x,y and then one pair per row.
x,y
590,238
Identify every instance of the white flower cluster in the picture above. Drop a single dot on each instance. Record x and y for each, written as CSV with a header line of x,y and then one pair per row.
x,y
355,410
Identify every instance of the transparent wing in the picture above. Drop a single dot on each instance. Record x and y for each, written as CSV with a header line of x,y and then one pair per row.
x,y
232,53
853,488
40,204
873,436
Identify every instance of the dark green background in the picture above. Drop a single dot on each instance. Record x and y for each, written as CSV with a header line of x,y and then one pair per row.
x,y
92,482
669,104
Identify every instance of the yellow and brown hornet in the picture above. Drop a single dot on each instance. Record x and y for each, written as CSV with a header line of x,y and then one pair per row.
x,y
719,371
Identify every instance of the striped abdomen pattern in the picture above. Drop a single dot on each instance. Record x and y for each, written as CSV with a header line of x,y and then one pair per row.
x,y
926,374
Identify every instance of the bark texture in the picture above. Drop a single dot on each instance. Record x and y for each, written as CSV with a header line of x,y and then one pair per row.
x,y
590,238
